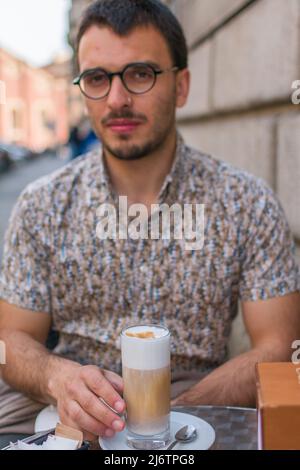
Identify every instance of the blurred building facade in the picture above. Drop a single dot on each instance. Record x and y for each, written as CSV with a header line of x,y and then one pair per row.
x,y
77,7
35,112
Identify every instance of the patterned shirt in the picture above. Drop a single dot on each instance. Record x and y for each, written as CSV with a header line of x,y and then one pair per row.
x,y
92,288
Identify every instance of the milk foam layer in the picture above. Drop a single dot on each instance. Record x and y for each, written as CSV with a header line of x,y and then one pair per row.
x,y
146,354
157,332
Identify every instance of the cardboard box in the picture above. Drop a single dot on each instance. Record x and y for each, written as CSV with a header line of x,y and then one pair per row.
x,y
278,403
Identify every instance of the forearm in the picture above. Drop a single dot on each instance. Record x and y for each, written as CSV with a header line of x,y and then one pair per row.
x,y
232,384
30,367
74,389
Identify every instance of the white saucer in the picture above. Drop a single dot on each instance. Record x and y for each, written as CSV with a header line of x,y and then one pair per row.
x,y
205,434
46,419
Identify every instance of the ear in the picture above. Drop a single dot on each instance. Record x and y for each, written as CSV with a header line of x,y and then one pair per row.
x,y
182,87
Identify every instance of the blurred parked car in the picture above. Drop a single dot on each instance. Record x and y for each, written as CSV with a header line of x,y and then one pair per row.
x,y
17,153
5,160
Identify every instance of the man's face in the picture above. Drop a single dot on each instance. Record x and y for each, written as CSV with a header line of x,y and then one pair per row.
x,y
152,114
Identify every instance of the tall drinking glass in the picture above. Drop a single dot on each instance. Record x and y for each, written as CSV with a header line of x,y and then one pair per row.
x,y
147,381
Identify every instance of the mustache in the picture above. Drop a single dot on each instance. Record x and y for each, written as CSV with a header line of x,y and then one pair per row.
x,y
126,114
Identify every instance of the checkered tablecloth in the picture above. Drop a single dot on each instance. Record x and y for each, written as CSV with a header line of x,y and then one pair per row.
x,y
235,428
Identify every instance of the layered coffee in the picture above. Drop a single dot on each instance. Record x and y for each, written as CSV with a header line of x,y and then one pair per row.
x,y
147,397
146,375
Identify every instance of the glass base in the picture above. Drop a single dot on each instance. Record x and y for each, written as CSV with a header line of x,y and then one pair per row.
x,y
156,442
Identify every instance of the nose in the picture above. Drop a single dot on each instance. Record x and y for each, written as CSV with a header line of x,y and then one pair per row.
x,y
118,96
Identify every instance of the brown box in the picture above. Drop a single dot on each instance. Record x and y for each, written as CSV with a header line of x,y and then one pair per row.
x,y
278,403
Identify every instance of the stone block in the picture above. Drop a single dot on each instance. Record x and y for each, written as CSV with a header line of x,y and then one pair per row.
x,y
257,55
199,98
199,17
239,341
288,166
245,142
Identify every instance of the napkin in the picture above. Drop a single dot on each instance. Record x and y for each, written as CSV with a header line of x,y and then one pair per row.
x,y
52,443
65,438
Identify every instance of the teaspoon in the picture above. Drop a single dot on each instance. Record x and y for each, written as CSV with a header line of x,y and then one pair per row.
x,y
186,434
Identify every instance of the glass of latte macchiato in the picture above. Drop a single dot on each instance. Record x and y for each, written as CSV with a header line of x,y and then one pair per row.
x,y
147,382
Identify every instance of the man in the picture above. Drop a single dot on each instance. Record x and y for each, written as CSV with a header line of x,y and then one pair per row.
x,y
132,59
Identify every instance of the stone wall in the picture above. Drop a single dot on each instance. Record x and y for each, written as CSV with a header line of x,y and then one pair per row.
x,y
244,57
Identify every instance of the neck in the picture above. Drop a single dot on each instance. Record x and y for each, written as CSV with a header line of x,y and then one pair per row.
x,y
141,180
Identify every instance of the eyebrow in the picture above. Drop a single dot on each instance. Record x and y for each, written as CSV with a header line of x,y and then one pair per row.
x,y
155,65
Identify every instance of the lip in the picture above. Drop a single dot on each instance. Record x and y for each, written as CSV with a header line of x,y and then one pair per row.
x,y
123,125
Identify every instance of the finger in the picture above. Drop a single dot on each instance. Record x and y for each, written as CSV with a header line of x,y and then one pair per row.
x,y
66,420
97,383
109,433
115,380
95,408
84,421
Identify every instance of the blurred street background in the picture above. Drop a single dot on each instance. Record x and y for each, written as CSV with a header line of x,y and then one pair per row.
x,y
13,183
42,120
244,58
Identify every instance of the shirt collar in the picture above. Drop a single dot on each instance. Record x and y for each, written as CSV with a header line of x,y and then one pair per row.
x,y
102,189
172,181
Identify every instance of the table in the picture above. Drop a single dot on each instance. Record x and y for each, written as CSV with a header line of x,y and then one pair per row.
x,y
235,428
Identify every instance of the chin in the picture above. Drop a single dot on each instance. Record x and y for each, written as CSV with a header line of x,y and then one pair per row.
x,y
129,151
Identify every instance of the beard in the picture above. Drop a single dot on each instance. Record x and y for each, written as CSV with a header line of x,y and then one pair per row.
x,y
127,151
133,152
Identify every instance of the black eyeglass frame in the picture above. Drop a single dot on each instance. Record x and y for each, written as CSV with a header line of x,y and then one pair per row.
x,y
121,74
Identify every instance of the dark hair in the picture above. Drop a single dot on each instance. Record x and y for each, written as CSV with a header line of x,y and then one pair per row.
x,y
125,15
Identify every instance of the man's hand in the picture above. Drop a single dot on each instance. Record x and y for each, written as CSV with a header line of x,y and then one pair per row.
x,y
82,394
79,392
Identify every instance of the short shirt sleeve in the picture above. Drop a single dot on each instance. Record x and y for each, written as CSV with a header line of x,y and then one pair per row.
x,y
269,268
24,276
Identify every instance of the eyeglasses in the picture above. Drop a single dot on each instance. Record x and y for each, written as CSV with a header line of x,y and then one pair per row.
x,y
137,78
